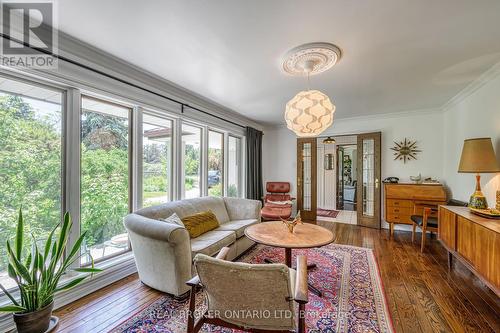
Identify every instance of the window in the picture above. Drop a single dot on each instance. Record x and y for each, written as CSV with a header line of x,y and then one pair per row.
x,y
104,177
30,162
33,165
191,152
157,160
215,163
233,166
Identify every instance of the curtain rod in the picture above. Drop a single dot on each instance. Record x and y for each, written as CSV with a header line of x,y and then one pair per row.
x,y
73,62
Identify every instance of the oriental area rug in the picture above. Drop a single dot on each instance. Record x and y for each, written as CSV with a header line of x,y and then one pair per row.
x,y
327,212
353,298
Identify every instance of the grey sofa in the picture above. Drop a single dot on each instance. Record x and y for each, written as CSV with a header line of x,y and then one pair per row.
x,y
164,251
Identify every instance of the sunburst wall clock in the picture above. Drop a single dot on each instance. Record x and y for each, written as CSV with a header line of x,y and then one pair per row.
x,y
405,150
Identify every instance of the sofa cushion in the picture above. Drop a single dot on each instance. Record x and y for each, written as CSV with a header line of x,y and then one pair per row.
x,y
238,226
187,207
200,223
173,219
211,242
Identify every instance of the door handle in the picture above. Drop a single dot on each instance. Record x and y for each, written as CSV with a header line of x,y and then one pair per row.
x,y
376,182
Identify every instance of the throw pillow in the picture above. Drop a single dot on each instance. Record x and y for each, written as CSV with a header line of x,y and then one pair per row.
x,y
174,219
200,223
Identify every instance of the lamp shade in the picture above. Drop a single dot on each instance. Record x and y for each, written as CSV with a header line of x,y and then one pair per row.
x,y
309,113
478,156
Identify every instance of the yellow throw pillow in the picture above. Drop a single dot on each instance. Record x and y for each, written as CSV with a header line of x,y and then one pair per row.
x,y
200,223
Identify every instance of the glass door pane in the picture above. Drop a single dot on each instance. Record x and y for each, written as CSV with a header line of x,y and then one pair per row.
x,y
104,177
340,178
233,168
368,177
368,189
30,163
191,152
215,163
306,178
157,160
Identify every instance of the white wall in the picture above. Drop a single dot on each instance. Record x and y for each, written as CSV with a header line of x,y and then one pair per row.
x,y
475,116
440,133
279,148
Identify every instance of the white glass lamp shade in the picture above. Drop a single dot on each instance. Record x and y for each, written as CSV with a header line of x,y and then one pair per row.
x,y
309,113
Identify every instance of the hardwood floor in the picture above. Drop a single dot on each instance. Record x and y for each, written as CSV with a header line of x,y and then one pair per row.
x,y
423,295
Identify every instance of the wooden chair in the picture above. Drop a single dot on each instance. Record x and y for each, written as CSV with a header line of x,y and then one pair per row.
x,y
429,220
426,222
265,291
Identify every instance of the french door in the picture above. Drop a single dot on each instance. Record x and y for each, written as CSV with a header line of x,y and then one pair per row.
x,y
306,178
340,178
369,157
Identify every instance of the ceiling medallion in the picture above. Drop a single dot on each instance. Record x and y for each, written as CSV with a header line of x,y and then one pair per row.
x,y
323,55
310,112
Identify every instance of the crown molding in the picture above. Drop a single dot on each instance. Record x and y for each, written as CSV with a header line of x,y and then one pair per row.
x,y
390,115
491,74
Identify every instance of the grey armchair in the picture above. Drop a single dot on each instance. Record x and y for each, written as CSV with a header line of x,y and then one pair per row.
x,y
234,290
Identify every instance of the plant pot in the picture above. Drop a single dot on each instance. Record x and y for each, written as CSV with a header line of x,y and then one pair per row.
x,y
34,322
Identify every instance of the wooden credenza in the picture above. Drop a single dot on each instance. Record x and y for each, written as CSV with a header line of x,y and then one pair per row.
x,y
473,240
404,200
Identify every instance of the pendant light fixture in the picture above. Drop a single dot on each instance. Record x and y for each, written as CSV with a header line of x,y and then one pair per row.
x,y
329,140
310,112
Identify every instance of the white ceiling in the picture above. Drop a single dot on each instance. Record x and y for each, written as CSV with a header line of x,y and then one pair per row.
x,y
398,55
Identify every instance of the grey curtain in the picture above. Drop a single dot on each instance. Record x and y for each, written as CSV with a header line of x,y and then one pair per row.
x,y
254,164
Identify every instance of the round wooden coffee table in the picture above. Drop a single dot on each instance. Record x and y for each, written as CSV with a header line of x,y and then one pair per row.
x,y
304,236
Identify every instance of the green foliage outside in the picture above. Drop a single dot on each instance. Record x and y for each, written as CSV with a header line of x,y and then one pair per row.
x,y
104,180
30,164
232,191
192,160
188,183
215,191
30,172
215,159
104,193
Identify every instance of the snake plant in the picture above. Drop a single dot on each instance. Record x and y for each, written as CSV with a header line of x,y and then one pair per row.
x,y
37,275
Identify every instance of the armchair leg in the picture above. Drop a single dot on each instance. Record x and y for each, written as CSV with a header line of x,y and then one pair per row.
x,y
302,318
422,245
414,227
192,304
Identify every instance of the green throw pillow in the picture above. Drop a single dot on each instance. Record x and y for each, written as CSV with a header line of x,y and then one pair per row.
x,y
200,223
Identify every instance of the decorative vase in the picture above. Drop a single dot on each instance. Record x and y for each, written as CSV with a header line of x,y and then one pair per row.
x,y
34,322
478,202
498,200
477,199
291,224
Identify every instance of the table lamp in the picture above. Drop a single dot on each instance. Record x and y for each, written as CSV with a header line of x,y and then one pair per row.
x,y
478,157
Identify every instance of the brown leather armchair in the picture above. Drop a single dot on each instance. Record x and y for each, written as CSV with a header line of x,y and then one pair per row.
x,y
277,202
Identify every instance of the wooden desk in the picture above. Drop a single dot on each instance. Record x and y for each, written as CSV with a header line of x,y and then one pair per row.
x,y
401,200
474,240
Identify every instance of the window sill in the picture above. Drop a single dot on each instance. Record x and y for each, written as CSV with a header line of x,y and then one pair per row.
x,y
115,269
